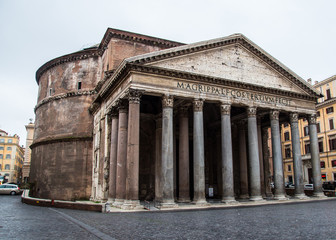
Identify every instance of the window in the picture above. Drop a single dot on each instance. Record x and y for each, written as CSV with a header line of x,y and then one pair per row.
x,y
79,85
318,128
8,156
332,142
334,176
333,163
306,131
7,167
1,148
0,167
50,91
9,148
330,110
320,143
2,140
286,136
318,114
10,140
287,151
307,147
289,168
324,176
331,123
322,164
328,94
1,156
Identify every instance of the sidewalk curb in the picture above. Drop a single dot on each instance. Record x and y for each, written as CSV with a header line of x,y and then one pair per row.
x,y
88,206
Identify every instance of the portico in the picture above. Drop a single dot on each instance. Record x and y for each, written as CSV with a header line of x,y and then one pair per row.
x,y
189,120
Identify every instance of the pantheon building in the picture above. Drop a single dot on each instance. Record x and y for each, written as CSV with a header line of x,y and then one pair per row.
x,y
141,118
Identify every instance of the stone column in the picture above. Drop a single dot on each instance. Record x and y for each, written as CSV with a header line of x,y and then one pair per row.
x,y
243,162
158,157
122,154
254,166
279,185
267,166
107,143
297,159
167,167
113,156
199,174
133,142
227,164
315,156
261,162
184,189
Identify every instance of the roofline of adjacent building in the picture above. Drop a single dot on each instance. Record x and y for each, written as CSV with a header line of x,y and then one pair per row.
x,y
326,102
329,79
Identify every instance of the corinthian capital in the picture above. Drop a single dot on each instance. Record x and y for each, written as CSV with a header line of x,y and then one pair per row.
x,y
198,105
114,112
294,117
274,115
251,112
167,101
183,111
225,109
134,96
312,119
122,105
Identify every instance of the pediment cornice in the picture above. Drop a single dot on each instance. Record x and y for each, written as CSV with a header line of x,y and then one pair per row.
x,y
230,40
138,68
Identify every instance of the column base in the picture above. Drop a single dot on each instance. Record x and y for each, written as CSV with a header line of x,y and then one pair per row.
x,y
110,200
280,197
244,196
301,196
269,195
229,200
168,204
184,200
131,205
256,198
118,202
200,202
319,195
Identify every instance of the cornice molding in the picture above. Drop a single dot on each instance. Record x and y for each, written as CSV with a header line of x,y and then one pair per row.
x,y
99,51
80,55
64,95
325,81
60,139
135,37
196,77
324,103
231,40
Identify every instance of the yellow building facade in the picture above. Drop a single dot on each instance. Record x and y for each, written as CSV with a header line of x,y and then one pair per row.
x,y
326,128
11,158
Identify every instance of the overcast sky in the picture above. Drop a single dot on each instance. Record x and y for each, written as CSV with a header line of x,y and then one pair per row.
x,y
299,33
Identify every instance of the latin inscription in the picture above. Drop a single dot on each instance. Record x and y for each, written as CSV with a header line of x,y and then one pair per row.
x,y
201,88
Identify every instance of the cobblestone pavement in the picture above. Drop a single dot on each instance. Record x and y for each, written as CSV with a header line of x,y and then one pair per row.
x,y
311,220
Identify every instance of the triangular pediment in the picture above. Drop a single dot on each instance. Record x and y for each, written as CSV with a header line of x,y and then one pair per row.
x,y
233,58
